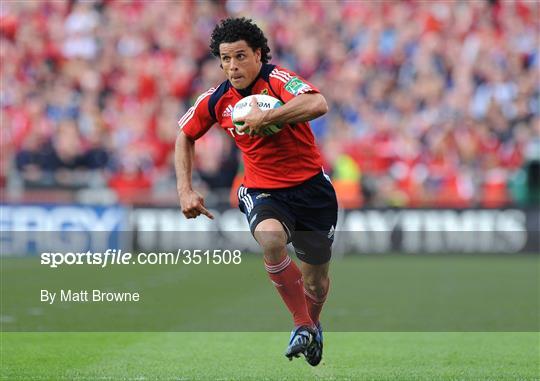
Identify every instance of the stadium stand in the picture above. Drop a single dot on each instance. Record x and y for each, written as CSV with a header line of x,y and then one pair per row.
x,y
431,103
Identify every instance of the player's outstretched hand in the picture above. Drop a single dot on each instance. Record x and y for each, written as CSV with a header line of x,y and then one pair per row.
x,y
253,120
192,204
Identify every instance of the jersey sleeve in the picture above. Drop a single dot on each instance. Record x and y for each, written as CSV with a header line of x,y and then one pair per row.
x,y
197,120
288,85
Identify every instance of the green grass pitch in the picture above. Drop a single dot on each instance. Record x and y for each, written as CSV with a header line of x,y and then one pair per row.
x,y
387,318
259,356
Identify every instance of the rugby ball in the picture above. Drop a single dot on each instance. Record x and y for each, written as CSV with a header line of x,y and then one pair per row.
x,y
265,102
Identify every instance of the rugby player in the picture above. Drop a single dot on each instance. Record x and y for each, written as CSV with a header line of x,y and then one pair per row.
x,y
285,194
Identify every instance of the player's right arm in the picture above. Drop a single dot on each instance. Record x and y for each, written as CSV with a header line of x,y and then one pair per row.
x,y
193,125
191,201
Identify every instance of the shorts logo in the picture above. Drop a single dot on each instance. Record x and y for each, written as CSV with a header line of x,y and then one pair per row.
x,y
331,232
228,111
264,92
263,195
295,86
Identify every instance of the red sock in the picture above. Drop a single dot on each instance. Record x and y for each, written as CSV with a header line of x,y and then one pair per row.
x,y
315,304
287,278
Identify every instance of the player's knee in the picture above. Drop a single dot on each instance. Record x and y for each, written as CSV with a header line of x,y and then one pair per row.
x,y
272,242
271,236
317,286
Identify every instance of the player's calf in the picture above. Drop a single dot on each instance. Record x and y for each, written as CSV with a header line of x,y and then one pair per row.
x,y
316,286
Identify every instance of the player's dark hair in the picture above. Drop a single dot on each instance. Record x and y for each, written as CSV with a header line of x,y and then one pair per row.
x,y
236,29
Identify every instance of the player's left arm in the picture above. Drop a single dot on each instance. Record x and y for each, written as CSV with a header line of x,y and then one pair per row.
x,y
302,108
303,102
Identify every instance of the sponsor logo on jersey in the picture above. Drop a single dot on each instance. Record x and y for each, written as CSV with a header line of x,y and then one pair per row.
x,y
228,111
295,86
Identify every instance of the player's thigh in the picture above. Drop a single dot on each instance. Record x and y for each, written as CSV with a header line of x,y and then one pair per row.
x,y
315,210
312,247
314,235
266,212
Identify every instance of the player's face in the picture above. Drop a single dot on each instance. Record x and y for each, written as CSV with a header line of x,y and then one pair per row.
x,y
240,63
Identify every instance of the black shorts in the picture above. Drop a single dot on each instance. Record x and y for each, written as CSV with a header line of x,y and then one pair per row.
x,y
308,213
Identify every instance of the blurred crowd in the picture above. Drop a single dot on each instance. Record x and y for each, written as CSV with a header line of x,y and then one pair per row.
x,y
431,103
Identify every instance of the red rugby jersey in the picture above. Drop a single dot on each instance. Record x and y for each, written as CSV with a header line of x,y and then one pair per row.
x,y
283,160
